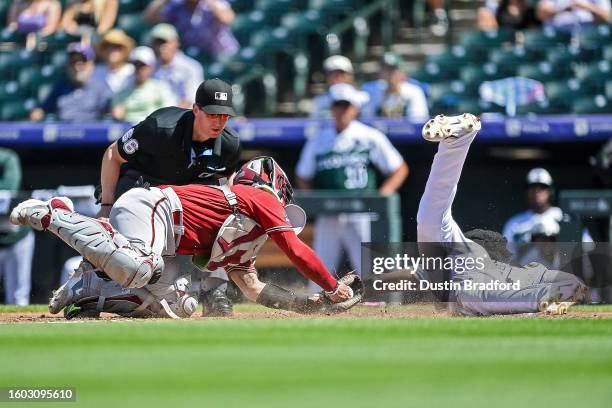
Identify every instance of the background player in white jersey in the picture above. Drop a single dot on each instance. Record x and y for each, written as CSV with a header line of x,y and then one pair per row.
x,y
345,157
541,289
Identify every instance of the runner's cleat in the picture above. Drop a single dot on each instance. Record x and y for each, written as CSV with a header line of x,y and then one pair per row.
x,y
450,127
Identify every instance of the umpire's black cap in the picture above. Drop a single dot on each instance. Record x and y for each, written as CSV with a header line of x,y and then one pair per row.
x,y
214,96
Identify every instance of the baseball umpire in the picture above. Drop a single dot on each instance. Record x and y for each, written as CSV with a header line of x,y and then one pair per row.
x,y
178,146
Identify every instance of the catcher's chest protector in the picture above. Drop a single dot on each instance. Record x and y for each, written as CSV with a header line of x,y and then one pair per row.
x,y
239,239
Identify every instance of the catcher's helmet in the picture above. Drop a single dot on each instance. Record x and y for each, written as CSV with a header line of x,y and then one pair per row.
x,y
263,172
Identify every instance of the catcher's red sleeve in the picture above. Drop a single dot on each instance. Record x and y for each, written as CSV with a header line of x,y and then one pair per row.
x,y
304,258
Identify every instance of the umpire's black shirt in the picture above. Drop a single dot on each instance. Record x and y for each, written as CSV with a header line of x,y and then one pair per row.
x,y
161,150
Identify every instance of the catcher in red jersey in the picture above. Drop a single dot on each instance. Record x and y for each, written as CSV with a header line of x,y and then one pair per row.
x,y
222,226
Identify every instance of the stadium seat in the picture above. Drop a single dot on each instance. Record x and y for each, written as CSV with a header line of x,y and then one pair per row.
x,y
607,53
274,9
608,89
240,6
596,36
514,56
15,110
10,91
545,38
245,24
544,71
271,40
334,7
7,36
60,40
486,39
4,10
540,108
308,22
592,104
458,54
43,92
131,6
433,72
58,58
133,25
12,62
31,78
478,106
569,55
597,72
476,74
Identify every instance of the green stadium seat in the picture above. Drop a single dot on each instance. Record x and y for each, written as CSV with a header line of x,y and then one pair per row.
x,y
514,56
4,10
133,25
562,92
7,36
60,40
486,39
308,22
596,36
131,6
10,91
476,74
458,54
540,108
607,53
59,58
478,106
12,62
433,72
31,78
43,92
545,38
271,40
15,110
245,24
592,104
334,7
544,71
569,55
274,9
597,72
608,89
240,6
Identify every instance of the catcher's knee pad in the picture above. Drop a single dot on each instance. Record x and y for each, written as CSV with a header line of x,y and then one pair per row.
x,y
132,266
132,269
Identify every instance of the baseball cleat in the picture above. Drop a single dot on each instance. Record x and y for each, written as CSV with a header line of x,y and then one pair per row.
x,y
450,127
555,308
216,303
69,291
37,213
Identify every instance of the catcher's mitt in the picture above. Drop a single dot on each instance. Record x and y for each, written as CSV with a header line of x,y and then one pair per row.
x,y
355,283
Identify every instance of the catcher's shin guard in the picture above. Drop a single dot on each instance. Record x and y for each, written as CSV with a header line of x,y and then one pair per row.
x,y
132,265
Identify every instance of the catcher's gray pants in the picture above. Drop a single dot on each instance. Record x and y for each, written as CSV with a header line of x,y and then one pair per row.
x,y
436,224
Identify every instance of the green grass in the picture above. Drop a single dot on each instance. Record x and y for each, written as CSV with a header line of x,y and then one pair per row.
x,y
428,362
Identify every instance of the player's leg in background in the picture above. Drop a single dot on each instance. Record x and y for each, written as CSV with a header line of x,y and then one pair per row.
x,y
16,264
357,229
327,244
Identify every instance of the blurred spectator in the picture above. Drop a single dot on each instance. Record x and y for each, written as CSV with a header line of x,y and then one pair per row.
x,y
514,14
34,16
345,157
439,21
90,16
16,242
338,70
394,96
182,73
203,24
567,14
146,94
77,98
114,50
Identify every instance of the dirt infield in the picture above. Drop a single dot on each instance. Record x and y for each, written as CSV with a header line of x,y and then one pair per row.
x,y
250,312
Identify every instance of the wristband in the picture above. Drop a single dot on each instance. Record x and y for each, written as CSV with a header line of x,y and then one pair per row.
x,y
106,205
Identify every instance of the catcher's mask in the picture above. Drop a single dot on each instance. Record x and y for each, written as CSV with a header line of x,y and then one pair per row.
x,y
265,173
